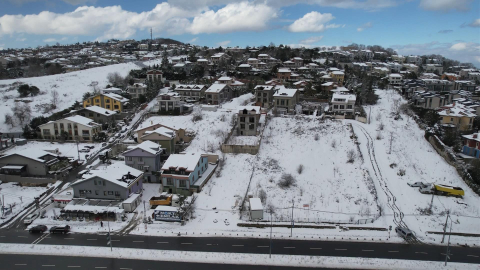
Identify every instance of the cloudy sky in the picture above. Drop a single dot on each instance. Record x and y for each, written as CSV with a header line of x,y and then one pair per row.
x,y
448,27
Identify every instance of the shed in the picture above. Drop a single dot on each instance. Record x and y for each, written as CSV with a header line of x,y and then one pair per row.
x,y
131,203
256,209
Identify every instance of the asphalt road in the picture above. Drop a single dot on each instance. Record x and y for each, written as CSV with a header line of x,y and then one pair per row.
x,y
254,245
30,262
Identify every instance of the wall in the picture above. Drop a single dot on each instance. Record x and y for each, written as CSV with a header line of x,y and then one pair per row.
x,y
89,185
26,180
361,119
240,149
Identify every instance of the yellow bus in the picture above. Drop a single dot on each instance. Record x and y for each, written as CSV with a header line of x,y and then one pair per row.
x,y
448,190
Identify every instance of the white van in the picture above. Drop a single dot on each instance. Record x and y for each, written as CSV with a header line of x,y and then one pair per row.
x,y
404,232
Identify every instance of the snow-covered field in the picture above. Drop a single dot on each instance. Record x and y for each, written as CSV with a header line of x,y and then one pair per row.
x,y
70,86
65,149
19,197
327,188
412,153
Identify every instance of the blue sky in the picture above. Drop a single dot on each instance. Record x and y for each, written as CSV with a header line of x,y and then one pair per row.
x,y
448,27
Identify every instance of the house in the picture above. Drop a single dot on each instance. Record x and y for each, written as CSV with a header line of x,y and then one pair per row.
x,y
181,135
113,90
186,173
244,68
256,209
428,100
191,91
471,145
145,157
97,114
163,136
114,182
107,101
28,162
264,95
343,103
285,99
248,121
136,90
450,76
395,79
71,128
183,67
337,76
435,68
218,93
457,115
283,74
438,85
155,75
298,61
464,85
170,102
253,62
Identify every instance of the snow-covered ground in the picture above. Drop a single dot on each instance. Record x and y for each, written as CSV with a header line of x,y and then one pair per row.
x,y
19,197
65,149
327,188
412,153
227,258
70,86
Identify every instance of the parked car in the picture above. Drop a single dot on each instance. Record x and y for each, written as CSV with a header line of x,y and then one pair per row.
x,y
118,135
60,229
38,229
84,150
89,146
427,189
404,232
104,144
124,129
112,139
30,218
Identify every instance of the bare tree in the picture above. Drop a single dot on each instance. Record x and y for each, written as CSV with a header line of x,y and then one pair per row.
x,y
187,208
300,169
22,112
334,143
351,156
115,79
286,181
54,94
262,195
9,120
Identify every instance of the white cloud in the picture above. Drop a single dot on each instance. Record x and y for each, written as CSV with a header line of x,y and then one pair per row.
x,y
193,40
445,5
364,26
312,22
465,52
72,2
107,22
311,40
2,46
475,23
224,43
459,46
244,16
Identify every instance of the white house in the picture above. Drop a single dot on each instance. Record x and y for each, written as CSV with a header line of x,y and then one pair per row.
x,y
70,128
343,103
395,79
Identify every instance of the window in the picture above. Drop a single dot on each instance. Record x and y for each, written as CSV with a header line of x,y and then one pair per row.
x,y
69,126
108,106
242,126
451,119
107,101
96,192
342,107
110,193
61,126
138,183
104,193
129,158
335,106
140,159
97,100
169,182
117,194
90,114
251,126
242,119
252,119
46,132
349,106
183,183
140,167
75,132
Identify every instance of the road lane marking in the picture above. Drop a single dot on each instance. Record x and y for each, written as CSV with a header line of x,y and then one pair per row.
x,y
2,236
20,264
21,236
237,245
125,268
315,248
101,267
49,265
446,254
421,252
209,244
263,246
368,250
114,240
340,249
69,238
160,243
187,243
473,256
91,239
288,247
73,266
393,251
137,241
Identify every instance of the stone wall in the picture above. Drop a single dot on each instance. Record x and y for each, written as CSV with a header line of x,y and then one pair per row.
x,y
26,180
240,149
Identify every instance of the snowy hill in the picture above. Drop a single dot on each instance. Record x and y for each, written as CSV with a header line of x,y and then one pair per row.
x,y
70,86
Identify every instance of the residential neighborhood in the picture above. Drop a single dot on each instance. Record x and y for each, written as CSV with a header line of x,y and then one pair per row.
x,y
150,149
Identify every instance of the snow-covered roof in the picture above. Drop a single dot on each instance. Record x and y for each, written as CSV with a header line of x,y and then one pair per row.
x,y
250,108
337,72
456,110
115,173
474,136
244,65
224,79
216,88
163,131
395,75
82,120
285,92
284,70
192,87
264,87
147,146
347,97
187,161
100,110
255,204
116,97
32,153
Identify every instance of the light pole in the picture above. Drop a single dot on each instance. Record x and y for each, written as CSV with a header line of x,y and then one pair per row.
x,y
271,226
447,256
291,228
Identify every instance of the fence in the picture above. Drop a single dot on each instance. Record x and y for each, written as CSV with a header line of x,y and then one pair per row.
x,y
240,149
26,180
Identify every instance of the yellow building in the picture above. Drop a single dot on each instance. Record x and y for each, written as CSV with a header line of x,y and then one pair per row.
x,y
457,115
337,76
108,101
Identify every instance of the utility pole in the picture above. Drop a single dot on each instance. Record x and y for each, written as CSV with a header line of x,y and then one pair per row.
x,y
271,226
431,204
391,140
447,256
445,227
369,114
78,151
291,228
109,236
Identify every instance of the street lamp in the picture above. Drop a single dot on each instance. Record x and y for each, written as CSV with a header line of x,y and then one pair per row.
x,y
271,227
447,256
